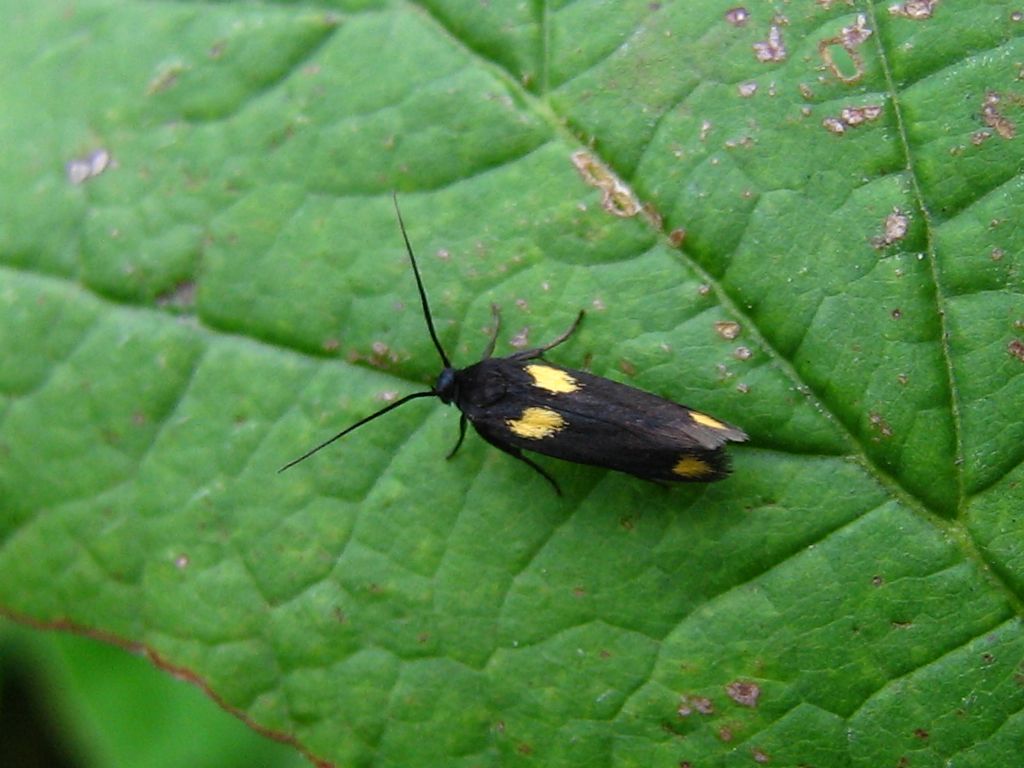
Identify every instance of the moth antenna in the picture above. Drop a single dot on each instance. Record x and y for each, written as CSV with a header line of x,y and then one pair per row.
x,y
419,285
355,426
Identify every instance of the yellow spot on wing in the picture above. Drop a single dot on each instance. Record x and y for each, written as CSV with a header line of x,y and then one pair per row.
x,y
691,466
536,423
552,379
707,421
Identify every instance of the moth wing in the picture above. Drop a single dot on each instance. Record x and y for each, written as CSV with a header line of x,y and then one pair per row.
x,y
637,410
576,416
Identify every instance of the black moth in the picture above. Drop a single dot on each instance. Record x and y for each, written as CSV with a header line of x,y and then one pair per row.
x,y
523,402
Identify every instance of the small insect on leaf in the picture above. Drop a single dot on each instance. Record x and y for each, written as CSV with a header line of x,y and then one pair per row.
x,y
522,402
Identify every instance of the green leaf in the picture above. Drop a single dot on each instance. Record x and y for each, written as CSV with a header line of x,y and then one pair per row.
x,y
806,224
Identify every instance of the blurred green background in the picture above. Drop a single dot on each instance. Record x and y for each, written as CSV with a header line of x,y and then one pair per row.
x,y
73,702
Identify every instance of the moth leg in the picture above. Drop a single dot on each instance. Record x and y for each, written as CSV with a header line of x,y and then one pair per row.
x,y
489,349
518,454
462,436
530,354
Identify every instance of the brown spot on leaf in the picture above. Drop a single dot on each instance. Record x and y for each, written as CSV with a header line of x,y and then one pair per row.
x,y
616,198
744,692
381,355
81,169
737,16
689,705
854,116
653,215
879,424
993,116
851,117
916,10
833,125
895,229
773,49
728,329
521,339
166,78
849,40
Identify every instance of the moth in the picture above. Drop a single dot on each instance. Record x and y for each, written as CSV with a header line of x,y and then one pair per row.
x,y
522,402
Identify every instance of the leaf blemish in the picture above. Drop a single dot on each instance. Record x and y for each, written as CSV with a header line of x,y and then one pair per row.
x,y
994,118
773,49
879,424
167,77
616,198
728,329
81,169
521,339
895,229
744,692
1016,349
915,10
849,40
689,705
737,16
851,117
